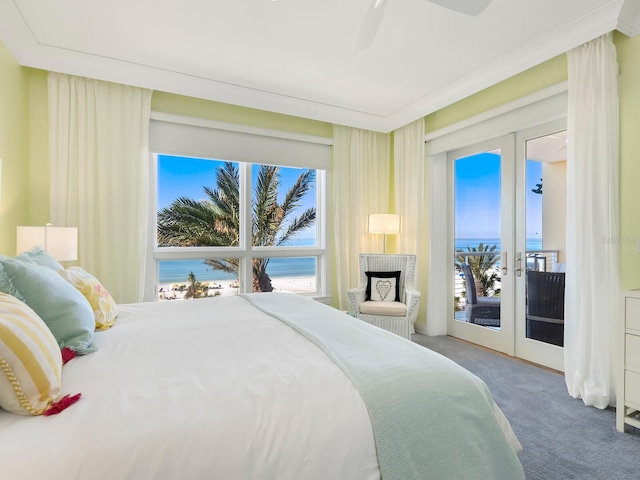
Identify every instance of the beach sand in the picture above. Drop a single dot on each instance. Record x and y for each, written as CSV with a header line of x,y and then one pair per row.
x,y
176,291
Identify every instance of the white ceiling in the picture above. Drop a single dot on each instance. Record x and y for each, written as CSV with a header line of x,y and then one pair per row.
x,y
548,149
296,56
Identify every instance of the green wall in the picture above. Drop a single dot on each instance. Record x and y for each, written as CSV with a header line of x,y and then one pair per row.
x,y
38,148
544,75
629,83
223,112
14,150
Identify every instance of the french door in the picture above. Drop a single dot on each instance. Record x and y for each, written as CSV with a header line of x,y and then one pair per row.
x,y
506,211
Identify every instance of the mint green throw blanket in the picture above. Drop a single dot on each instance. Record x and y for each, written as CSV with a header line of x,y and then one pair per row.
x,y
431,418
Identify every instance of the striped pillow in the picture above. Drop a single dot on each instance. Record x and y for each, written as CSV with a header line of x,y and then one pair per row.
x,y
30,360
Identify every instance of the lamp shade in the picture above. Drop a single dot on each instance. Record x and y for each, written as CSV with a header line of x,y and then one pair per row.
x,y
59,242
384,223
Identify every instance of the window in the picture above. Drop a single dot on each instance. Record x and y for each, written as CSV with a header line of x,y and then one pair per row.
x,y
226,225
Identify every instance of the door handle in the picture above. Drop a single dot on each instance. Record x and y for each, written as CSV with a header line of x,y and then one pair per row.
x,y
503,262
518,268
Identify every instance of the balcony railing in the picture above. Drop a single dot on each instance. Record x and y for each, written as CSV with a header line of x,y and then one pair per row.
x,y
538,260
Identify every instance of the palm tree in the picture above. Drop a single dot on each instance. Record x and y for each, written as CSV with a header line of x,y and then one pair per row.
x,y
215,221
195,289
480,266
538,188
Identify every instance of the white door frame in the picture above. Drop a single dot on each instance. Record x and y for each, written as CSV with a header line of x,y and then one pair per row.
x,y
501,340
546,354
541,107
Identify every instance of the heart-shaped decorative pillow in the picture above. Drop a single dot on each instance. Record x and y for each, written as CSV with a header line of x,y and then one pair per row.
x,y
383,287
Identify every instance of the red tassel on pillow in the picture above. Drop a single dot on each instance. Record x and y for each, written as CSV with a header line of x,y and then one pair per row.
x,y
67,354
60,405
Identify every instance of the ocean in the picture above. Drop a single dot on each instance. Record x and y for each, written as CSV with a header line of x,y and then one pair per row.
x,y
532,244
176,271
461,243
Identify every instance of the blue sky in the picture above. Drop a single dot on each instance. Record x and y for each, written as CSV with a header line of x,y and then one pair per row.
x,y
184,176
477,197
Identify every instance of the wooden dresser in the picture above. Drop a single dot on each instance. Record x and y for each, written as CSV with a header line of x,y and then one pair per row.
x,y
628,391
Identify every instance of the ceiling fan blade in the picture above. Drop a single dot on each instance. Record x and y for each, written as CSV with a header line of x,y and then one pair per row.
x,y
370,24
468,7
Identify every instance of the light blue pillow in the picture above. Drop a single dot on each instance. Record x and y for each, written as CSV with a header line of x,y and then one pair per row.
x,y
63,308
39,256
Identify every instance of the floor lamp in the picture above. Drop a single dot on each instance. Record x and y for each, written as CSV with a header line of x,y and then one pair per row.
x,y
386,224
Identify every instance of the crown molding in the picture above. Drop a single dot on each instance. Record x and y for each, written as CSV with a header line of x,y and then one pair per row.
x,y
629,18
556,42
623,15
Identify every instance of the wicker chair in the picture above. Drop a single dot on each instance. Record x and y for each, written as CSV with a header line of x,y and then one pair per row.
x,y
545,307
480,310
396,317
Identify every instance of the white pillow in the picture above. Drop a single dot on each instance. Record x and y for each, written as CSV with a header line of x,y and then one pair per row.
x,y
383,289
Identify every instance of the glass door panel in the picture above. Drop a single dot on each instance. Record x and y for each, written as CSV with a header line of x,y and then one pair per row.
x,y
481,212
477,238
506,243
540,309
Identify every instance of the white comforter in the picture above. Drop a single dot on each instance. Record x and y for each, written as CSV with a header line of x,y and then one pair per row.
x,y
209,388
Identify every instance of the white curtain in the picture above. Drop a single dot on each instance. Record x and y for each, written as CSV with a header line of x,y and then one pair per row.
x,y
592,277
409,195
99,176
360,186
409,185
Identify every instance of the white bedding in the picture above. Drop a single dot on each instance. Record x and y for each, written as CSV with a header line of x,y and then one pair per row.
x,y
227,392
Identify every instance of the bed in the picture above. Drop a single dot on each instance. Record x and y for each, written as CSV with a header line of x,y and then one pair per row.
x,y
260,386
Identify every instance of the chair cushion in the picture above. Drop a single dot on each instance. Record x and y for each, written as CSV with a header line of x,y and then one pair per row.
x,y
390,309
383,286
489,301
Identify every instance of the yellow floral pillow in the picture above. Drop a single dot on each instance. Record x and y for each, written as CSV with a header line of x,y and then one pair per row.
x,y
104,306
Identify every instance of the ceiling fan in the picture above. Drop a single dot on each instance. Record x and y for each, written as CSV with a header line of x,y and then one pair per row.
x,y
373,17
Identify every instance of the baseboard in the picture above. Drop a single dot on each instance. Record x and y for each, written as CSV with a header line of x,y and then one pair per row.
x,y
421,328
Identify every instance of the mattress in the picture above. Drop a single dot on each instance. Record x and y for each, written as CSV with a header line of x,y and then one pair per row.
x,y
206,388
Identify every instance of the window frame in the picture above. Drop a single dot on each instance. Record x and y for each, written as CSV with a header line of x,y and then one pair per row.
x,y
245,251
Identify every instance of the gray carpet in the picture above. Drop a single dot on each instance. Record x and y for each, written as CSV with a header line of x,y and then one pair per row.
x,y
561,437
